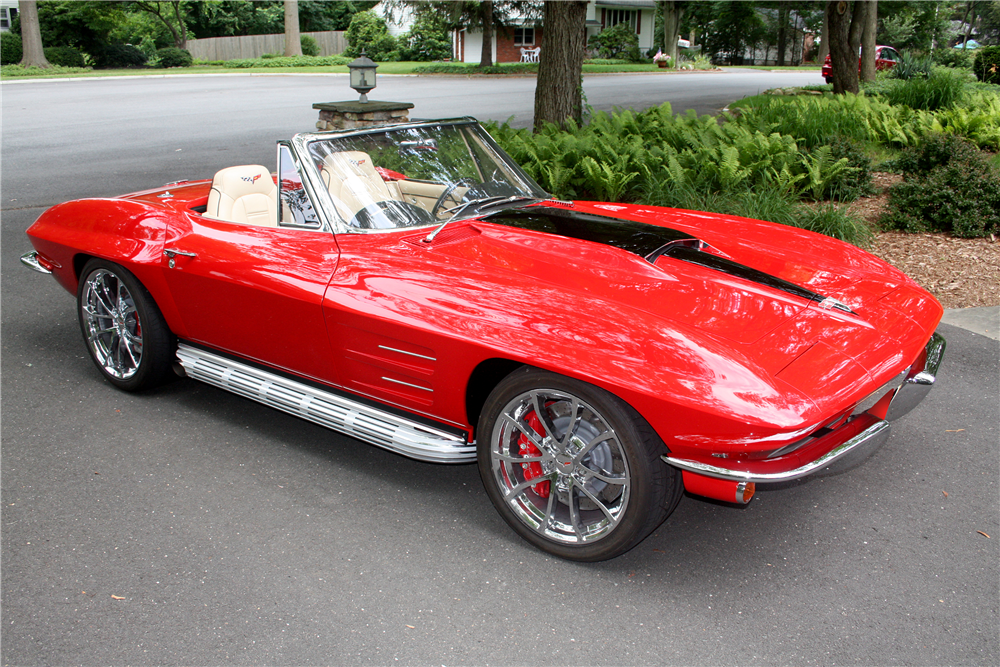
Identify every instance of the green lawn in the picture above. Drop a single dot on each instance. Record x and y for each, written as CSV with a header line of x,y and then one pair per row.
x,y
11,72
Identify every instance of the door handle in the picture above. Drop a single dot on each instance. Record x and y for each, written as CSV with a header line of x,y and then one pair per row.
x,y
170,254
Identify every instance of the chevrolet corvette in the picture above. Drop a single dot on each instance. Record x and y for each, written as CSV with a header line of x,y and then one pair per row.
x,y
411,287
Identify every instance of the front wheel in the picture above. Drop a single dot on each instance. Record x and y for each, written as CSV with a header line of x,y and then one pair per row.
x,y
573,469
125,333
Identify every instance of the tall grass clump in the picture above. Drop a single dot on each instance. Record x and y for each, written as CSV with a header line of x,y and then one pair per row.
x,y
942,89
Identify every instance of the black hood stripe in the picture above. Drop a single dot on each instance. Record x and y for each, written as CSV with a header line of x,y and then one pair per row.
x,y
647,241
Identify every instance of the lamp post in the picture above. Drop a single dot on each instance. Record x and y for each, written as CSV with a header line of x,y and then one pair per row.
x,y
362,113
363,75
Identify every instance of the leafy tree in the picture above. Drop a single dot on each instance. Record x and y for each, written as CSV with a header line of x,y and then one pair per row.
x,y
736,26
171,14
369,32
427,39
559,89
31,36
84,25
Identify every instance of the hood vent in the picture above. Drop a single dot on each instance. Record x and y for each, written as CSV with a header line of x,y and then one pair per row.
x,y
650,242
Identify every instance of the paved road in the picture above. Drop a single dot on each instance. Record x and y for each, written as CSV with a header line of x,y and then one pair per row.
x,y
69,139
190,526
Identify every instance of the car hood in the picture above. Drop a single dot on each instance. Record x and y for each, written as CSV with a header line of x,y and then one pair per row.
x,y
766,294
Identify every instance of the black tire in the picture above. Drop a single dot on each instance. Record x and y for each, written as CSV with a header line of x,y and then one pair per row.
x,y
589,485
124,331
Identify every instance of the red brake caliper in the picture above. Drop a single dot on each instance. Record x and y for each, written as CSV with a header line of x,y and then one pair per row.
x,y
527,449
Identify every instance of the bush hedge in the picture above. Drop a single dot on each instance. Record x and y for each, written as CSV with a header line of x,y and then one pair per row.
x,y
310,47
290,61
950,186
172,56
10,48
118,56
64,56
986,65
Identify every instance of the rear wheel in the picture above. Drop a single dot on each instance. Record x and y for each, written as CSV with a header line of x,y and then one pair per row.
x,y
572,468
125,333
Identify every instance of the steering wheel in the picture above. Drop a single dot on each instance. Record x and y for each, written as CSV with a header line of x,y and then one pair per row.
x,y
448,190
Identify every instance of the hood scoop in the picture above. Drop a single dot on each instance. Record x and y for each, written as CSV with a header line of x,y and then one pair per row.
x,y
650,242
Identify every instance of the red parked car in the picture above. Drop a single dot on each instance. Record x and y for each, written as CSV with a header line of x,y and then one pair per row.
x,y
886,57
411,287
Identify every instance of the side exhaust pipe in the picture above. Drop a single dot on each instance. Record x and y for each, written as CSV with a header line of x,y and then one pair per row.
x,y
726,490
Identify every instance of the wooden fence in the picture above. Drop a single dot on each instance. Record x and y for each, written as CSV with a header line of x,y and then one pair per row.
x,y
254,46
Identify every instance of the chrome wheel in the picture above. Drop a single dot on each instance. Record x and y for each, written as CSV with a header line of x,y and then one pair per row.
x,y
125,332
560,466
112,325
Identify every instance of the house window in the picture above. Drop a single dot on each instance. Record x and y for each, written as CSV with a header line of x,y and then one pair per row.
x,y
524,36
615,16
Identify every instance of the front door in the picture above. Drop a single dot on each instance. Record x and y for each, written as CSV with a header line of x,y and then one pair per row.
x,y
254,291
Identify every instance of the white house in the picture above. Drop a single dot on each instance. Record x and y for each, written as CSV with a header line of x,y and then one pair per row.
x,y
8,12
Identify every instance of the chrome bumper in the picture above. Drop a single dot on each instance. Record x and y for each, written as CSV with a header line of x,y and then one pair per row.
x,y
30,260
846,446
919,380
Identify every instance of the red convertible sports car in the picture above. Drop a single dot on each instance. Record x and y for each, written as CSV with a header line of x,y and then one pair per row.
x,y
412,287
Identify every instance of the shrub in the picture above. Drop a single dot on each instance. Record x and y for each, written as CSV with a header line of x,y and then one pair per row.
x,y
949,186
10,48
118,56
310,47
427,40
986,65
960,58
619,41
368,31
910,66
171,56
64,56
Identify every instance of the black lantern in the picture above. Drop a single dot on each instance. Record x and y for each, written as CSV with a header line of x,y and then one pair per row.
x,y
363,75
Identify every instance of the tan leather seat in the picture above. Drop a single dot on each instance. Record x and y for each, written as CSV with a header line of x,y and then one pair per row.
x,y
353,182
244,194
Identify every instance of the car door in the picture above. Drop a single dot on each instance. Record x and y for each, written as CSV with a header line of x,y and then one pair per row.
x,y
255,292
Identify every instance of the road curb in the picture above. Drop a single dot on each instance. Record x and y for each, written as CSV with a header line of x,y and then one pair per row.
x,y
984,321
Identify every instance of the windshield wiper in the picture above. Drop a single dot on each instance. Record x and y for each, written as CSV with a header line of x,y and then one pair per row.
x,y
486,202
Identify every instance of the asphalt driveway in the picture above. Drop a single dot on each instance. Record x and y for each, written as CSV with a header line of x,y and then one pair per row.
x,y
191,526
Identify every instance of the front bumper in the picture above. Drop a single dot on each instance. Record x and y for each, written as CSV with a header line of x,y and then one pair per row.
x,y
843,447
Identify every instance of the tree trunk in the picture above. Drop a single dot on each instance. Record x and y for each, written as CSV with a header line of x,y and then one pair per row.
x,y
486,59
672,15
293,40
868,41
33,54
559,89
182,39
824,43
782,34
846,24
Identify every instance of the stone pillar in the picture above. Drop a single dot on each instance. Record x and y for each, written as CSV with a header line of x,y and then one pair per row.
x,y
354,114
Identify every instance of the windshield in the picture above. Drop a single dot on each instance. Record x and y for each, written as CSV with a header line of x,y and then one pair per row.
x,y
417,176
